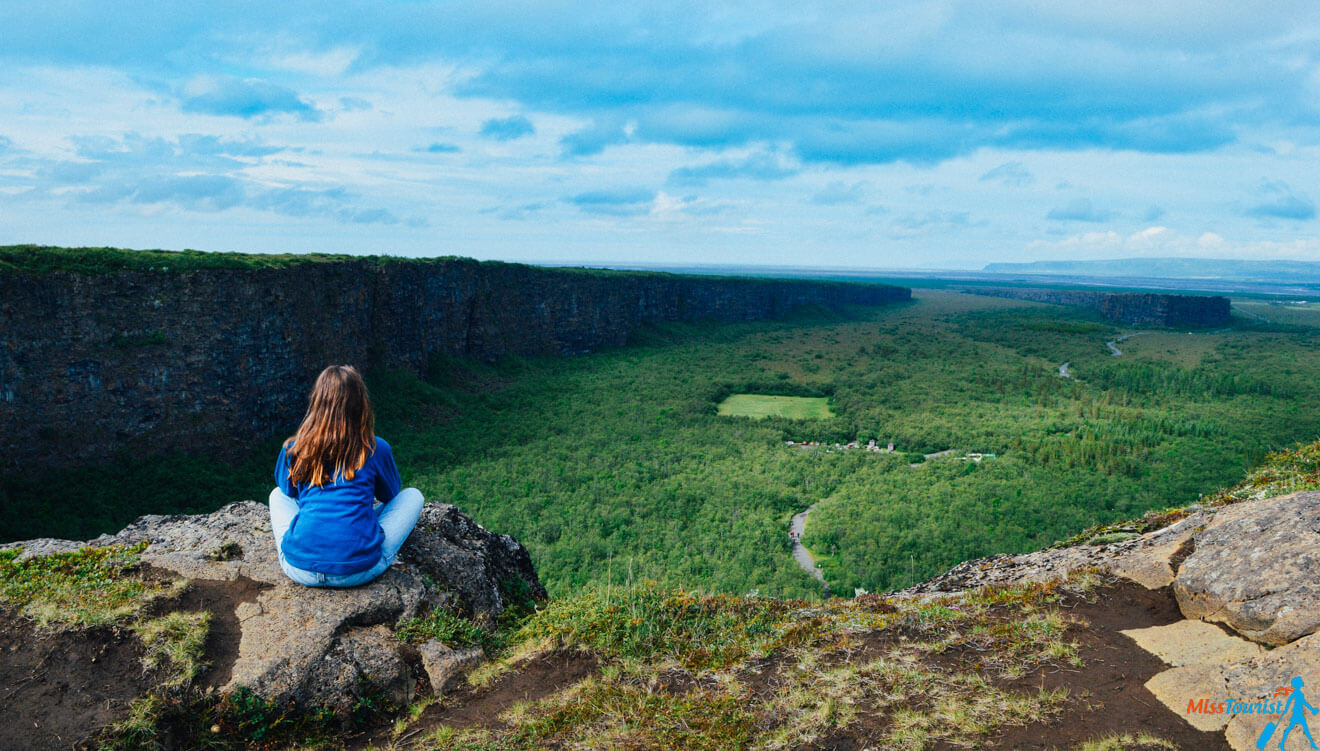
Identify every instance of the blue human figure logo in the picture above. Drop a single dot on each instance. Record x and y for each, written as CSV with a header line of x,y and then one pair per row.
x,y
1298,705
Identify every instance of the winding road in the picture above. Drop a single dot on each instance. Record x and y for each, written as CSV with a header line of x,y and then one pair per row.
x,y
1112,344
800,553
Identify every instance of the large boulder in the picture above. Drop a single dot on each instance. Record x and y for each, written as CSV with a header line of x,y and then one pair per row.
x,y
322,648
1256,568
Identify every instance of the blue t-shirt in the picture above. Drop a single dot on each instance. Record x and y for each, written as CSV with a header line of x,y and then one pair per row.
x,y
335,531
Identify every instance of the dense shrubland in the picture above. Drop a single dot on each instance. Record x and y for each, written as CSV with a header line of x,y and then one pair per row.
x,y
615,466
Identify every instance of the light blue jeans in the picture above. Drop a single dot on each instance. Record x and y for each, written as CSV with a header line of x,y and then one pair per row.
x,y
396,518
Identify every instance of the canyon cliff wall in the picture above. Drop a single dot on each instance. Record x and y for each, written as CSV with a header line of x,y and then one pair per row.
x,y
1132,308
134,363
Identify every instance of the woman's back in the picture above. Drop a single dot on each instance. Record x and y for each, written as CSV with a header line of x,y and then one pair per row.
x,y
328,477
335,531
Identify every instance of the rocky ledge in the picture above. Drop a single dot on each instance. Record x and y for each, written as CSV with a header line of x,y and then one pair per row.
x,y
1252,569
1242,576
319,648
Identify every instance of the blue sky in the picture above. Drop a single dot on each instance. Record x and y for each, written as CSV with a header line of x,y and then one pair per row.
x,y
884,135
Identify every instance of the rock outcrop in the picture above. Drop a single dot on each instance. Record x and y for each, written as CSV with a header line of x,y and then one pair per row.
x,y
208,360
1256,568
1146,559
322,648
1132,308
1253,567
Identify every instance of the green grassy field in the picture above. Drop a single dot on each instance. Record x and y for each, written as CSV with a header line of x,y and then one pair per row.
x,y
762,405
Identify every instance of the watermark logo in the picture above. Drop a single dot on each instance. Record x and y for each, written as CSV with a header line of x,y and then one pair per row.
x,y
1294,709
1286,703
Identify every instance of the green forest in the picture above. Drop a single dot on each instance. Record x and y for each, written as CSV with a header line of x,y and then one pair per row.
x,y
616,465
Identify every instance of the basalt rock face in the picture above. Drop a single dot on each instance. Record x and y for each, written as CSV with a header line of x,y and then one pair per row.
x,y
207,360
1132,308
323,648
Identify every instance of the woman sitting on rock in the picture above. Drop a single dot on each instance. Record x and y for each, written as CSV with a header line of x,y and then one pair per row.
x,y
327,529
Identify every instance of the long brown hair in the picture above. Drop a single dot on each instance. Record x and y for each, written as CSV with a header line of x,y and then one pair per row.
x,y
339,431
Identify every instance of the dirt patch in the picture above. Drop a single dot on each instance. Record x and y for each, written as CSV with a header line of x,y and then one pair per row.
x,y
469,707
761,677
1108,694
841,743
219,597
59,687
535,679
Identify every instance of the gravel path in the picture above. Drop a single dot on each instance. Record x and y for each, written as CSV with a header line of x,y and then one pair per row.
x,y
800,553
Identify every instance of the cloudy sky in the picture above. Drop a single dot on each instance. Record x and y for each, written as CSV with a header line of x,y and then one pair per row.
x,y
884,135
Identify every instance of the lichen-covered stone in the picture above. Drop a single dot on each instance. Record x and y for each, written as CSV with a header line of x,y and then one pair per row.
x,y
1256,568
322,647
1176,687
445,665
361,664
1256,679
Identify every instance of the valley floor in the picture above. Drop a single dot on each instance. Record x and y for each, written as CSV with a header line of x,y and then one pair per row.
x,y
618,463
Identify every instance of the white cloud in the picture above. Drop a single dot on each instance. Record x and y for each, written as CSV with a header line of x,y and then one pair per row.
x,y
1163,242
781,111
332,62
